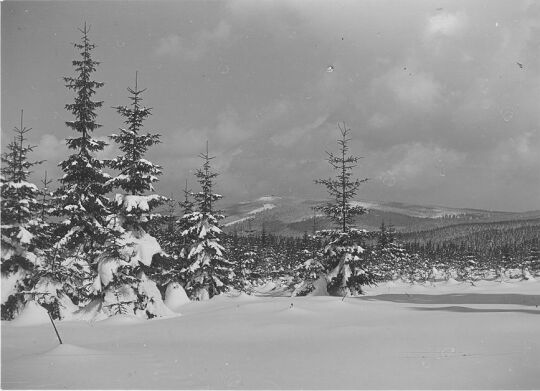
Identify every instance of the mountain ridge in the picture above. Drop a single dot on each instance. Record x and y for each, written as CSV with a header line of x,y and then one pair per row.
x,y
294,216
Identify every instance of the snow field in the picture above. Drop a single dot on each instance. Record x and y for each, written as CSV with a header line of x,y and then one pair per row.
x,y
451,336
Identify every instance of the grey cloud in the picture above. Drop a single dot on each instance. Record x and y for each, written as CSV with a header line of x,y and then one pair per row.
x,y
195,47
424,91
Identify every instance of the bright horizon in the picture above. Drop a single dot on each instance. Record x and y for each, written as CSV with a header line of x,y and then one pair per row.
x,y
442,98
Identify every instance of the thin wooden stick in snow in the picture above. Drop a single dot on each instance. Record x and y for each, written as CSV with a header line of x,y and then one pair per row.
x,y
55,330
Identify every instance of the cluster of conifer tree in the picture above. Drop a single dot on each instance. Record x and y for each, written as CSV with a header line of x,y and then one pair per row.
x,y
96,247
85,246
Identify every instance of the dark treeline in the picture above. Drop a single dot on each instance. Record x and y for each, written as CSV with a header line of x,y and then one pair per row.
x,y
492,232
511,239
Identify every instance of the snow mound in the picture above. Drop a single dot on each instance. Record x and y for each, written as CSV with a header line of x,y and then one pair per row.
x,y
175,296
120,320
320,287
31,315
70,350
452,281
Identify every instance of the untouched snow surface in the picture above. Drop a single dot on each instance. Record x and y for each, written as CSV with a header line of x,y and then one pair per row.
x,y
450,336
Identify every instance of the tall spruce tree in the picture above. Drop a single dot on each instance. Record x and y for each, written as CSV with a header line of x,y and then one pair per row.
x,y
209,272
81,197
21,222
125,286
137,174
343,251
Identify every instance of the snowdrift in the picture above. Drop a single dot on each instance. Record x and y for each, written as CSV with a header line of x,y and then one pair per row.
x,y
398,336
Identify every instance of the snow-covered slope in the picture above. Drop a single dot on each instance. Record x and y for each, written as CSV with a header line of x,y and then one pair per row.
x,y
262,209
451,336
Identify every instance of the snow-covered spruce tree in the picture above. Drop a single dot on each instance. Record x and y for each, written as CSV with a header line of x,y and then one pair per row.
x,y
81,197
169,266
180,243
162,226
343,257
389,257
244,260
209,273
531,263
468,267
308,266
170,270
183,242
46,206
307,273
53,280
21,222
125,287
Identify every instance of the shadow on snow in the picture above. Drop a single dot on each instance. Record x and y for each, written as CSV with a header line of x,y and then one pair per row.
x,y
453,300
456,308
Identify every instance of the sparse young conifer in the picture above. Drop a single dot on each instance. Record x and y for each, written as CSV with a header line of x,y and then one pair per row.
x,y
209,272
21,221
343,257
81,198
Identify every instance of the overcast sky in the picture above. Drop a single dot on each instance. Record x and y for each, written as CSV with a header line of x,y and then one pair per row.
x,y
442,97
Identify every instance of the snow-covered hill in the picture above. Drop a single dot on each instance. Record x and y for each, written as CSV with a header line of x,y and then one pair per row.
x,y
294,216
